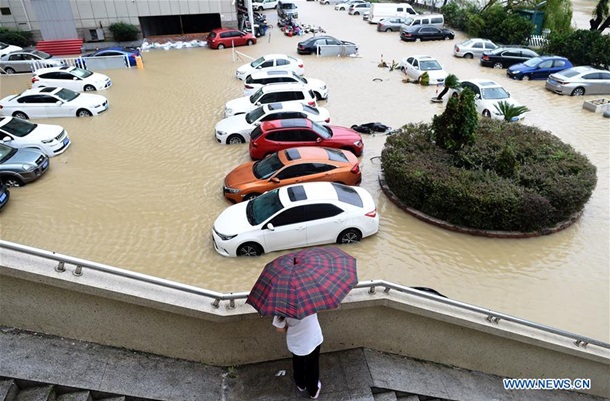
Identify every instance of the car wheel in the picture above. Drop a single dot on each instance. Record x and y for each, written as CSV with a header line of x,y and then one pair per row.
x,y
349,236
388,30
83,113
249,249
418,39
356,13
578,91
220,46
89,88
13,182
21,115
249,42
9,70
498,66
251,196
468,55
235,140
525,78
260,8
446,38
486,113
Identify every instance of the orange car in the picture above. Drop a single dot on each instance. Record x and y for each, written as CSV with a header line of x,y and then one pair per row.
x,y
291,166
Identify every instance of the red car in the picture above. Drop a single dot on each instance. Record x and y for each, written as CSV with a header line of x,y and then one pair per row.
x,y
275,135
220,38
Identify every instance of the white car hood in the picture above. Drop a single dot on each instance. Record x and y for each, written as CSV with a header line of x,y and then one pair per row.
x,y
241,104
244,70
233,124
508,100
316,83
436,74
44,132
89,99
233,220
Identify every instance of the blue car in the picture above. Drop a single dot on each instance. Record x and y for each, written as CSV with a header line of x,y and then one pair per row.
x,y
538,67
130,52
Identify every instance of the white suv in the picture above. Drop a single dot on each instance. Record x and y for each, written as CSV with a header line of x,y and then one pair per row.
x,y
271,94
77,79
260,5
262,78
236,129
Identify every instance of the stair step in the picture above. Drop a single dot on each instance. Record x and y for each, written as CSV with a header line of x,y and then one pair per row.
x,y
76,396
410,398
42,393
385,396
121,398
8,390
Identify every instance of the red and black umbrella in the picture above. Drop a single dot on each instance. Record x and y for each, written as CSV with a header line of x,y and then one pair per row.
x,y
302,283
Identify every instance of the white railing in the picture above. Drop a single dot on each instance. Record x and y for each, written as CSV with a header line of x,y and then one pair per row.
x,y
90,63
490,316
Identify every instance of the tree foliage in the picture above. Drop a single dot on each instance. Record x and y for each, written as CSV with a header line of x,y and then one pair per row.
x,y
601,16
16,37
456,127
581,47
510,111
500,25
558,16
124,32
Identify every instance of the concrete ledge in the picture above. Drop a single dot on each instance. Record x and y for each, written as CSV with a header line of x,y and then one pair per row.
x,y
472,231
110,310
597,105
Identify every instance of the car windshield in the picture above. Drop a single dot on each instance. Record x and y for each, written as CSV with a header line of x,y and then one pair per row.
x,y
300,79
265,168
263,207
18,127
322,130
41,54
408,21
494,93
257,62
256,95
3,45
79,72
6,152
533,62
255,114
429,65
467,43
569,73
67,94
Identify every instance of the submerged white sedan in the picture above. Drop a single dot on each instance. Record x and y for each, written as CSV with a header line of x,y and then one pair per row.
x,y
51,140
487,95
52,102
236,129
294,216
74,78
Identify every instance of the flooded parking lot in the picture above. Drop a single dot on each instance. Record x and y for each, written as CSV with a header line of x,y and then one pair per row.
x,y
141,185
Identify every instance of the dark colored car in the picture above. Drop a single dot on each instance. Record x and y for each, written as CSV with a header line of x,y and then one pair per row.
x,y
419,33
504,57
129,52
538,67
272,136
20,166
4,194
309,46
220,38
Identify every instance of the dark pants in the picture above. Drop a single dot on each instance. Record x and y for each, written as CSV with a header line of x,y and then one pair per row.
x,y
306,370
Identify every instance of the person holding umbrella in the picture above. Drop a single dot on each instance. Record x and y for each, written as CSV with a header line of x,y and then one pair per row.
x,y
293,288
303,338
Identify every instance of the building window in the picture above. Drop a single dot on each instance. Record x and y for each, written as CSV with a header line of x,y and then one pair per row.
x,y
5,11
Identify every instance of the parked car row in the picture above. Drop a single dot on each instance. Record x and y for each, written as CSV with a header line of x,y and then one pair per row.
x,y
300,190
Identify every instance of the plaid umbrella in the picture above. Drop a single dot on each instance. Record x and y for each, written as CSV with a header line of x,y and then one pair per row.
x,y
301,283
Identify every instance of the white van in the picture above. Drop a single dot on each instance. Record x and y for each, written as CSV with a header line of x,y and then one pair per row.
x,y
379,11
437,20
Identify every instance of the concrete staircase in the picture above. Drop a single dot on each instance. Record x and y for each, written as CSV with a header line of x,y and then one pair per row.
x,y
60,47
26,390
398,396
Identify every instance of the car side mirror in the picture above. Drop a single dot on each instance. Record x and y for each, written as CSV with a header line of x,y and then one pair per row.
x,y
58,102
319,140
270,227
257,104
74,79
256,124
6,139
274,180
477,96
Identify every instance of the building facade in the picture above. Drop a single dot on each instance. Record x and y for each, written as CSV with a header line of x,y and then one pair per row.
x,y
90,19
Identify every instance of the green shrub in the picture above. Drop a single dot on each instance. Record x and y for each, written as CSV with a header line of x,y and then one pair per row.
x,y
456,127
16,37
124,32
456,13
513,178
581,47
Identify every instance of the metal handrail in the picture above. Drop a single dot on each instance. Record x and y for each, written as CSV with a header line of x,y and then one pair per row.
x,y
490,316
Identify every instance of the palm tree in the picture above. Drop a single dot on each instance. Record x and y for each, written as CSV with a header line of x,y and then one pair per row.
x,y
451,82
510,111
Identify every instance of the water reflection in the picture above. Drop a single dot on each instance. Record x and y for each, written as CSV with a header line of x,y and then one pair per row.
x,y
141,185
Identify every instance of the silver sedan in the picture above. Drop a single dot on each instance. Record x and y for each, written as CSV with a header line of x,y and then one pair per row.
x,y
578,81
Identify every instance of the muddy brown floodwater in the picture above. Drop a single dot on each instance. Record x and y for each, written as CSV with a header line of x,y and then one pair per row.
x,y
141,185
